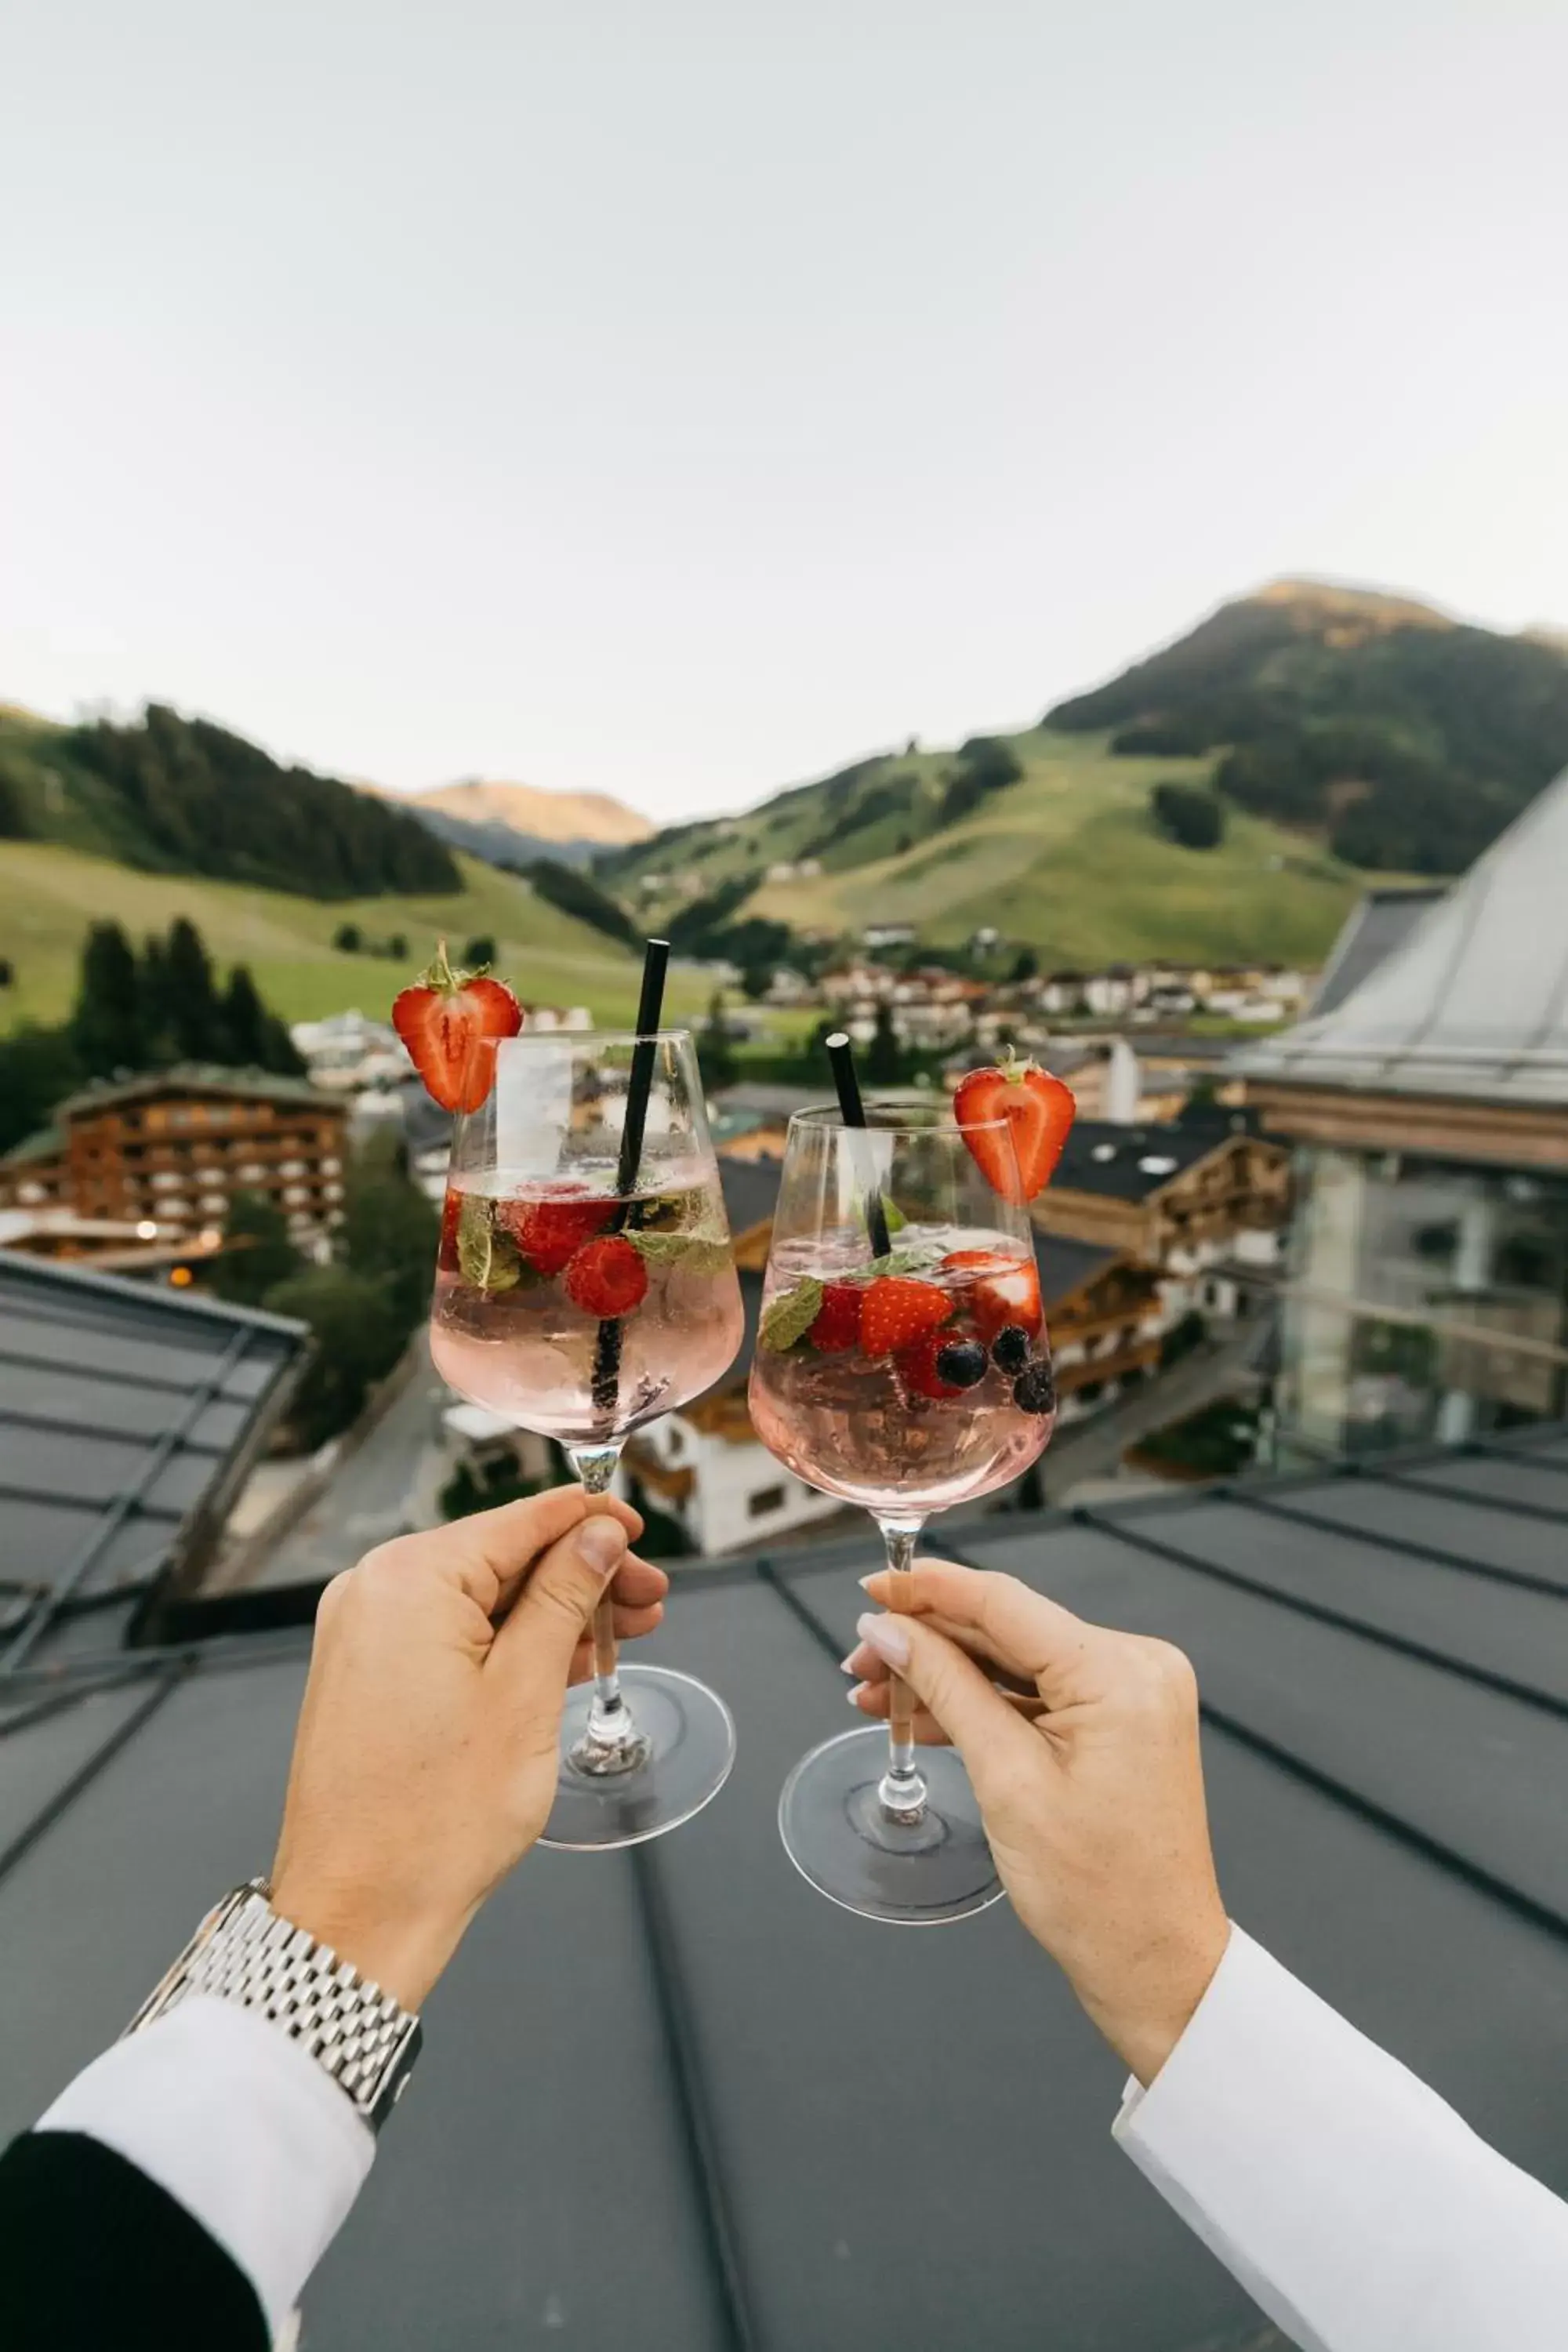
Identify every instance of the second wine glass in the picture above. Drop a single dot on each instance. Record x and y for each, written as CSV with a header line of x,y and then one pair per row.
x,y
585,1285
905,1380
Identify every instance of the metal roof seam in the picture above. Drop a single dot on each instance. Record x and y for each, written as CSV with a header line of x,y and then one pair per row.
x,y
130,1500
698,2128
88,1771
1382,1817
1512,1504
1408,1547
1464,1670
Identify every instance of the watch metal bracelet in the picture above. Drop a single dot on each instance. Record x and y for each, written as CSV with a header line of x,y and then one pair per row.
x,y
244,1952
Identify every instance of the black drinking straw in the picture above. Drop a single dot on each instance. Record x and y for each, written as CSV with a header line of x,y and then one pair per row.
x,y
606,1374
841,1053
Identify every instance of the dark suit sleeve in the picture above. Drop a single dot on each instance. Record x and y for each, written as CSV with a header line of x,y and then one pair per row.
x,y
98,2258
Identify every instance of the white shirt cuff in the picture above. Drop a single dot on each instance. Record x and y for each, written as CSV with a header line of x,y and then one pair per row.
x,y
1360,2211
224,2112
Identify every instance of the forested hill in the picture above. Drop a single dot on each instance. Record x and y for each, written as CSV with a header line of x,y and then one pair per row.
x,y
1404,738
180,795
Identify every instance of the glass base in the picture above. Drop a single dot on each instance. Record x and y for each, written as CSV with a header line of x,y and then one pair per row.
x,y
918,1874
686,1748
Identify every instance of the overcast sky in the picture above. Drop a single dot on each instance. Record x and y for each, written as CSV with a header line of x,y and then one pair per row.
x,y
682,397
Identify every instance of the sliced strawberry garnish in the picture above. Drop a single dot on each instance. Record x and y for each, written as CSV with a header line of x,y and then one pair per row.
x,y
447,1248
442,1018
550,1231
897,1310
1037,1109
607,1277
918,1367
996,1291
837,1325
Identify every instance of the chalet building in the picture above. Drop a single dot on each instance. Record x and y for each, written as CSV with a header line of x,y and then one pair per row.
x,y
166,1153
1199,1203
1106,1320
1426,1103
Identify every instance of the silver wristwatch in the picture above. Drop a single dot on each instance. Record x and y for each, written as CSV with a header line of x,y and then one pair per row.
x,y
245,1953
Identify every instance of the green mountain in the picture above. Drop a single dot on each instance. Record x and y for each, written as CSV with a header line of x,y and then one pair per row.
x,y
1405,739
1344,731
177,796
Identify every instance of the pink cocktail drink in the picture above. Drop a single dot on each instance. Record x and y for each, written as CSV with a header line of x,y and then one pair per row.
x,y
578,1314
908,1386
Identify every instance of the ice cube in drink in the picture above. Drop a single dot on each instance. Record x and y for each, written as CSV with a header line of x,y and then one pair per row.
x,y
956,1408
579,1313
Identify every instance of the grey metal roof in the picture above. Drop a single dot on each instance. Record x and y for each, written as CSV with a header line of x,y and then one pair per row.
x,y
128,1416
1377,924
1474,1002
672,2091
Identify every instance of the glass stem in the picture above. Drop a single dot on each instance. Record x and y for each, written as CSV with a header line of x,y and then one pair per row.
x,y
612,1738
902,1789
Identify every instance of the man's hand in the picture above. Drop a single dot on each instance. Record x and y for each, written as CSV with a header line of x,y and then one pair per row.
x,y
1089,1776
424,1759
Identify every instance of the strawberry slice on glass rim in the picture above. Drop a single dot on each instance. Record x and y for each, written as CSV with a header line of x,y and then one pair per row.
x,y
442,1017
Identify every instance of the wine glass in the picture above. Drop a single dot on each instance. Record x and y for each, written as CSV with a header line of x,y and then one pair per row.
x,y
584,1285
905,1382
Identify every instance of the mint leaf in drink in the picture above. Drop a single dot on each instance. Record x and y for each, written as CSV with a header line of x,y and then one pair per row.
x,y
487,1257
704,1252
909,1261
790,1316
673,1212
893,1217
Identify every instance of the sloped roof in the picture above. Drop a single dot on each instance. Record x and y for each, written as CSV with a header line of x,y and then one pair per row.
x,y
1474,1002
1385,1737
1378,923
127,1417
1132,1163
1065,1265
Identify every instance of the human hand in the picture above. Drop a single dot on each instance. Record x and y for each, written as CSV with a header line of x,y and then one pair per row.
x,y
425,1759
1089,1779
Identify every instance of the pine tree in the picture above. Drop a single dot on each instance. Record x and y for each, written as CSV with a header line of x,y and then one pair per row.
x,y
257,1254
106,1026
244,1022
193,999
279,1051
884,1056
715,1053
160,1029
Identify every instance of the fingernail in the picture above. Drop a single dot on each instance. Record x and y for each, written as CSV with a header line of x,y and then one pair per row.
x,y
867,1582
887,1637
854,1695
847,1665
601,1541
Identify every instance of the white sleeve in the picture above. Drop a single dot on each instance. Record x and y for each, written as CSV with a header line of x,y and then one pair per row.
x,y
1361,2212
245,2130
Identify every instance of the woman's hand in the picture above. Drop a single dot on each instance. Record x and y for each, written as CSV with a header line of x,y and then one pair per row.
x,y
1089,1778
424,1759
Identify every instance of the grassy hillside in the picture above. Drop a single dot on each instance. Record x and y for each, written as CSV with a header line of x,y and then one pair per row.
x,y
1067,859
1404,738
49,894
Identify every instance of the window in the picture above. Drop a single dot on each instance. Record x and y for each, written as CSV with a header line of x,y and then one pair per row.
x,y
765,1501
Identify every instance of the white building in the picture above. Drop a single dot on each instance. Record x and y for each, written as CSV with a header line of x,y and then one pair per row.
x,y
705,1466
348,1052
